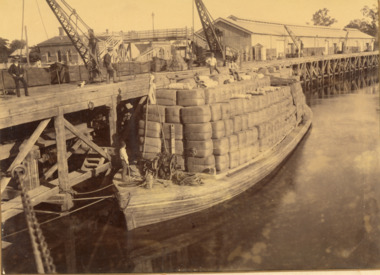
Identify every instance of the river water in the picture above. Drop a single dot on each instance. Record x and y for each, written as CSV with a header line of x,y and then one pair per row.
x,y
319,210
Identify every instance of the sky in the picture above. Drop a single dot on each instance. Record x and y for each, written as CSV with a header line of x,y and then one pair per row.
x,y
126,15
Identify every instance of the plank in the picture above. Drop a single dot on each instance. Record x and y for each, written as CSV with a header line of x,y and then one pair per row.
x,y
85,139
24,151
63,170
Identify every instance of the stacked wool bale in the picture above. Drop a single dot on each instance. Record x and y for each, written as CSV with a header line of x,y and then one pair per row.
x,y
277,116
299,100
172,123
213,131
196,117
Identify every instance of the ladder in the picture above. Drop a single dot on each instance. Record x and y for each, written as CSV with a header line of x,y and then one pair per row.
x,y
92,161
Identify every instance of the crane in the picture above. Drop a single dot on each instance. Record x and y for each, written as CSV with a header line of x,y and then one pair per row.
x,y
78,34
296,40
345,48
209,30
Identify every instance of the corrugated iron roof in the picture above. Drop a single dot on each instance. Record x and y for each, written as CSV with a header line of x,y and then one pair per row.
x,y
278,29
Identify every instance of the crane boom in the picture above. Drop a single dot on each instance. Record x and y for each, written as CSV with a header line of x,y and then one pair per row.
x,y
89,58
209,28
294,38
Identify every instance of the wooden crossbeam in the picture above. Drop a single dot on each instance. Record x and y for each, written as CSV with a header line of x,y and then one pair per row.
x,y
54,168
24,151
86,140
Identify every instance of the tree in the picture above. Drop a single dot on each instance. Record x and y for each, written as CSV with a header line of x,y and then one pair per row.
x,y
369,23
17,44
34,54
4,50
321,18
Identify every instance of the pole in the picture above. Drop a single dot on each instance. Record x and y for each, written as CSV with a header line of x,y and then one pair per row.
x,y
153,23
27,47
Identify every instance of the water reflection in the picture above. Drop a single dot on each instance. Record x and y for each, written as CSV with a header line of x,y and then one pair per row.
x,y
319,210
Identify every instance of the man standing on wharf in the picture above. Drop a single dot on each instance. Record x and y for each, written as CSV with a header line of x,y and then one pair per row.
x,y
211,61
17,72
107,62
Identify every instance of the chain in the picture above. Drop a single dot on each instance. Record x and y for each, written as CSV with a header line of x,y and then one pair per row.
x,y
43,259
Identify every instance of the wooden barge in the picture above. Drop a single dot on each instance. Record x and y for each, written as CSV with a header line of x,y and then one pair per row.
x,y
53,106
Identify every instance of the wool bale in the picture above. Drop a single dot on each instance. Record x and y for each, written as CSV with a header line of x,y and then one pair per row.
x,y
152,145
234,158
196,114
252,135
212,95
234,105
216,111
148,155
228,127
199,131
244,122
178,130
240,106
195,97
199,149
233,142
218,129
190,81
255,101
222,163
153,129
166,97
178,146
246,106
243,156
242,139
221,146
173,114
237,123
255,149
226,110
199,165
155,113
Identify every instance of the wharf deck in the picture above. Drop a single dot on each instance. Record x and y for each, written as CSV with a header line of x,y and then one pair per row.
x,y
45,101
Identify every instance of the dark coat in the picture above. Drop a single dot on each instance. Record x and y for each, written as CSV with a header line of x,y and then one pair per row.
x,y
107,60
16,70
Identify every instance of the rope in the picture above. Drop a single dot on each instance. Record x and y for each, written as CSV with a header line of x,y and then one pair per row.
x,y
43,23
56,218
94,191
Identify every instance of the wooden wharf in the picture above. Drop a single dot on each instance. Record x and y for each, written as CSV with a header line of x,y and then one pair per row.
x,y
49,105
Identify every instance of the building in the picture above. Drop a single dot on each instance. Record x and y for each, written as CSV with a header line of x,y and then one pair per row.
x,y
148,44
251,36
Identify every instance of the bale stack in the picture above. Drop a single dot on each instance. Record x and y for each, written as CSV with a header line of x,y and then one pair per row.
x,y
299,100
216,130
277,116
196,117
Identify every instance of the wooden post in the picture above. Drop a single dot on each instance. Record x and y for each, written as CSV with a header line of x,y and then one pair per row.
x,y
31,163
112,119
27,47
63,171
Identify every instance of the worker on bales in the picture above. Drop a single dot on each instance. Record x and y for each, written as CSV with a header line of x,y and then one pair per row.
x,y
17,72
233,67
124,160
211,61
107,62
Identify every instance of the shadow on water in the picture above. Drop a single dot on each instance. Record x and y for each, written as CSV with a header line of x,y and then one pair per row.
x,y
298,218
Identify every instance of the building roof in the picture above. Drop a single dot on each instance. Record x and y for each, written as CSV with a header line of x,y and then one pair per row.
x,y
56,40
278,29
